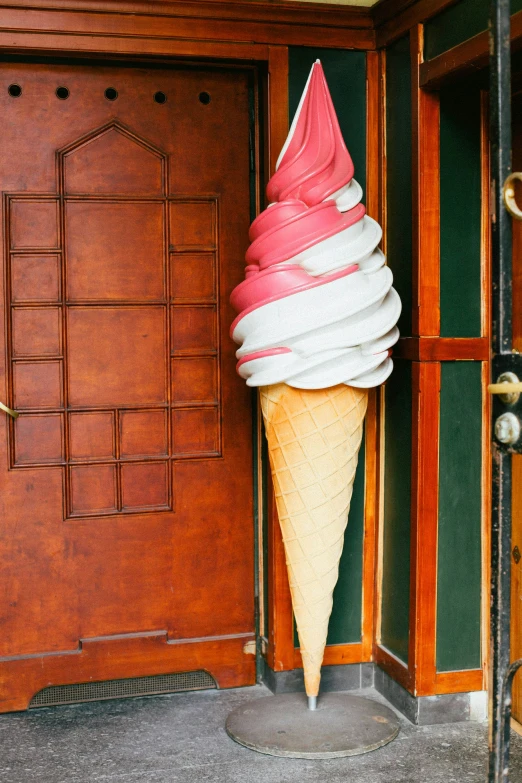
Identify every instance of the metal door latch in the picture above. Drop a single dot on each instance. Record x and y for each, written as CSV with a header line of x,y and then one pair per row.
x,y
9,411
507,393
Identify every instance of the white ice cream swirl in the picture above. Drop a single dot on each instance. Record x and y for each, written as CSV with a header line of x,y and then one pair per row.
x,y
317,307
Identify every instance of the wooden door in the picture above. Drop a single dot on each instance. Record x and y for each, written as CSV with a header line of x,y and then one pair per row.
x,y
126,482
516,562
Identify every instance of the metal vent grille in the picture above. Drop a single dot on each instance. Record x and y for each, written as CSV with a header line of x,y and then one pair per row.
x,y
122,689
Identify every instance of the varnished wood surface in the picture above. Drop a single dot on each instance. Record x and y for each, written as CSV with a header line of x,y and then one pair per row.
x,y
395,668
425,497
459,682
335,655
124,509
516,582
120,657
442,349
426,198
465,59
486,372
143,27
280,653
516,568
394,18
277,11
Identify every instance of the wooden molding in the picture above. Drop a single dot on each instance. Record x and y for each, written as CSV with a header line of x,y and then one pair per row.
x,y
394,18
373,132
147,28
424,524
371,516
278,121
372,430
426,197
280,654
336,654
123,656
486,370
395,668
466,58
442,349
275,11
458,682
116,47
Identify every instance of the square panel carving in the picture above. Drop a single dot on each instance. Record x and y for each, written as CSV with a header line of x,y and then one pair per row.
x,y
192,224
193,277
145,485
37,384
195,432
36,331
34,224
116,356
39,439
91,435
92,489
193,328
132,264
35,278
140,376
143,433
194,380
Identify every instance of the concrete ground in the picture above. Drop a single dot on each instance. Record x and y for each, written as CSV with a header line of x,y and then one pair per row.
x,y
181,737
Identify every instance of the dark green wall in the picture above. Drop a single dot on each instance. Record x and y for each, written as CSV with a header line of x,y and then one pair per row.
x,y
456,24
459,535
460,212
346,75
459,547
397,448
399,174
397,510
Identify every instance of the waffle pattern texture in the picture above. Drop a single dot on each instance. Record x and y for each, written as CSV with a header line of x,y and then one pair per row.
x,y
313,440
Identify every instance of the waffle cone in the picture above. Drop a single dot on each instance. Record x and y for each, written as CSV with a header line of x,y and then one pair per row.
x,y
313,440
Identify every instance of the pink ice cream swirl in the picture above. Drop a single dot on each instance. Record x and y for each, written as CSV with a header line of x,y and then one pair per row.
x,y
317,307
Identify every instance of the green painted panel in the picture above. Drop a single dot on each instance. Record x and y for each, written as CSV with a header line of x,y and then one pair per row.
x,y
460,212
346,75
459,547
399,174
397,510
456,24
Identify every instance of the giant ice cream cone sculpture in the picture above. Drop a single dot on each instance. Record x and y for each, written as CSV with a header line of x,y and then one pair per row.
x,y
317,318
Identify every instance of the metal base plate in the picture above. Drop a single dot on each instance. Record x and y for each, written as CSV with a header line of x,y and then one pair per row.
x,y
342,725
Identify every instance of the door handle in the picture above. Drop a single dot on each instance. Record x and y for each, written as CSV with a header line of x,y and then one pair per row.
x,y
508,387
505,388
508,192
9,411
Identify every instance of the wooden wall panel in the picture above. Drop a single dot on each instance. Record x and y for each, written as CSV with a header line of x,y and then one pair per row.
x,y
133,23
399,175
